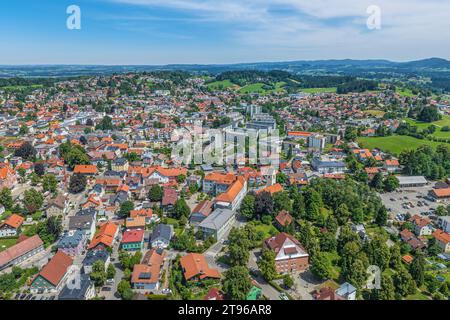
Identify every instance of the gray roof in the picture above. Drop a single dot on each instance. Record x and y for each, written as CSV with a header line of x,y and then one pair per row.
x,y
345,289
217,219
412,180
95,255
81,222
71,240
162,231
77,293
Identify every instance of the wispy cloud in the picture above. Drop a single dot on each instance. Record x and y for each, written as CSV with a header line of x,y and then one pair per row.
x,y
318,23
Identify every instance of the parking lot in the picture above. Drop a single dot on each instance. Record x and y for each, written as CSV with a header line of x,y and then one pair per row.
x,y
410,200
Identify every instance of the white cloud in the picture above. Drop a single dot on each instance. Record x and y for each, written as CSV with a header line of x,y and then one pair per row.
x,y
335,27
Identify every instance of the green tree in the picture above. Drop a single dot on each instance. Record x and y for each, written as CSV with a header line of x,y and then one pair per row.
x,y
387,289
32,200
377,182
110,271
125,208
404,283
77,183
288,282
266,264
417,269
321,266
124,290
181,209
6,198
98,274
238,255
391,183
247,208
49,183
156,193
237,283
281,201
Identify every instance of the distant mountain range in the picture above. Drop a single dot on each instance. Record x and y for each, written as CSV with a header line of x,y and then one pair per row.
x,y
432,64
433,70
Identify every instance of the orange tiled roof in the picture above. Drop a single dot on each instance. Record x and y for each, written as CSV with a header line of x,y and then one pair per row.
x,y
272,189
442,236
105,235
233,191
195,264
14,221
85,169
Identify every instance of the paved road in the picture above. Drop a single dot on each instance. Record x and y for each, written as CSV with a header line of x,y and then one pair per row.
x,y
270,292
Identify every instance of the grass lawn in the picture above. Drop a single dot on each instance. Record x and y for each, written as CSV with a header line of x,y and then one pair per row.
x,y
176,228
333,257
6,243
395,144
221,85
253,88
417,296
269,230
445,121
319,90
375,113
404,92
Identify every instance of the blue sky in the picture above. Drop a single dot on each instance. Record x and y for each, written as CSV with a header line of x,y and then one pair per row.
x,y
220,31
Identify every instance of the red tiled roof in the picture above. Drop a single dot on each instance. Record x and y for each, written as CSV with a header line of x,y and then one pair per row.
x,y
57,267
133,236
20,249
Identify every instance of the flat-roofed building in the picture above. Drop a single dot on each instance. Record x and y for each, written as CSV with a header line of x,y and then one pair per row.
x,y
412,181
217,223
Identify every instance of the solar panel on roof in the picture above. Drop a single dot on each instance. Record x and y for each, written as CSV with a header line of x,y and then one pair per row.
x,y
145,275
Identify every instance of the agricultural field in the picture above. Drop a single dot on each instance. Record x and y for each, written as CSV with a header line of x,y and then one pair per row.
x,y
375,113
445,121
395,144
405,92
221,85
319,90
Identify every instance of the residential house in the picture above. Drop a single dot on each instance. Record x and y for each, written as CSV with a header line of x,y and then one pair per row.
x,y
347,291
161,236
53,275
391,165
93,256
88,170
422,226
105,236
120,164
84,291
442,239
290,256
8,177
72,242
283,220
195,267
132,240
146,213
84,220
201,211
146,276
57,206
135,223
11,226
